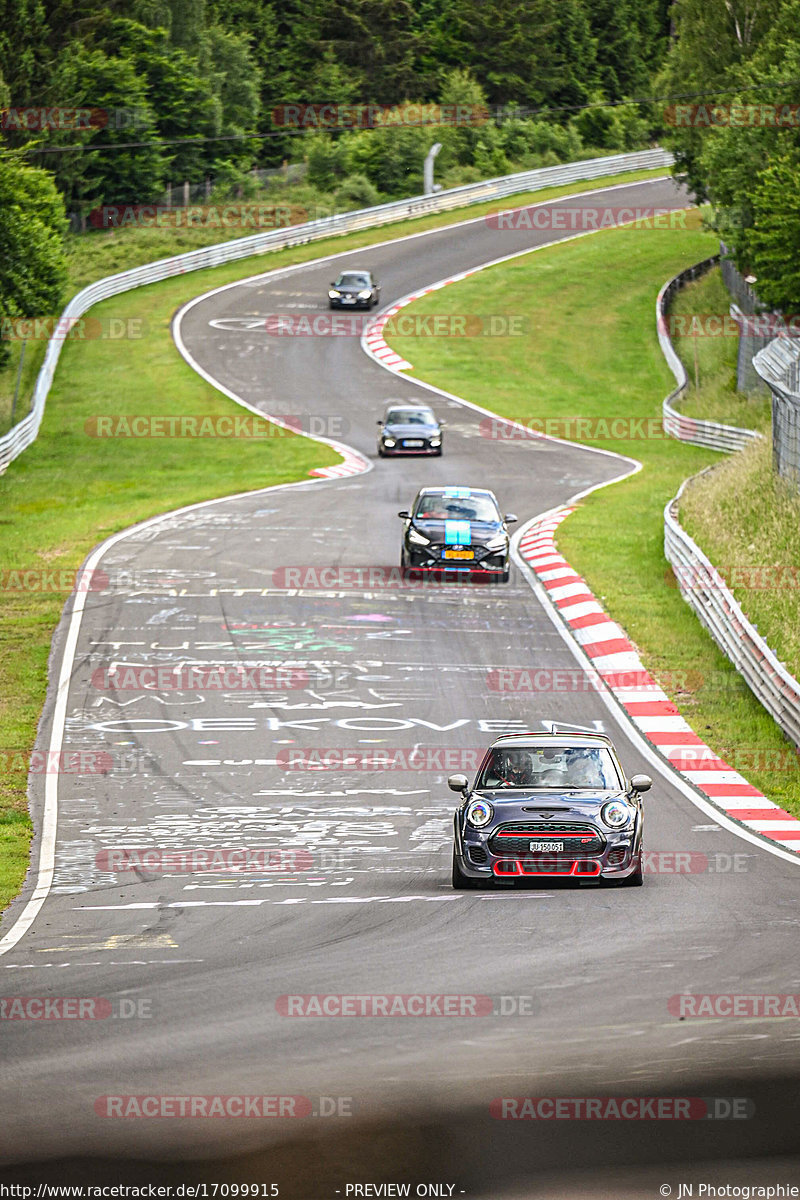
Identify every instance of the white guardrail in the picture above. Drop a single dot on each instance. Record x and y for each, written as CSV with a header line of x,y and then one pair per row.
x,y
25,432
704,590
691,429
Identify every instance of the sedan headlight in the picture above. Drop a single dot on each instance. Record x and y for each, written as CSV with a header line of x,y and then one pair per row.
x,y
479,813
333,294
616,814
498,543
365,295
418,538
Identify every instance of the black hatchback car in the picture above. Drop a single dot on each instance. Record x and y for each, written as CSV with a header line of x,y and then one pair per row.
x,y
409,429
549,805
456,530
354,289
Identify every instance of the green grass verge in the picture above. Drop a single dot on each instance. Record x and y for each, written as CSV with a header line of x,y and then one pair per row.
x,y
747,520
69,491
710,360
592,351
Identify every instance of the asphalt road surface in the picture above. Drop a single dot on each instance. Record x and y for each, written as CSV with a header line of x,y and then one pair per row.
x,y
188,967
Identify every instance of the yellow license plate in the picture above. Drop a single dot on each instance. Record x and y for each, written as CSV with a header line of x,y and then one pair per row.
x,y
459,553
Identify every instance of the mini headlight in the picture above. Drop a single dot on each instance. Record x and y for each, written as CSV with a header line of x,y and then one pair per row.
x,y
387,441
436,441
479,813
616,814
333,294
418,538
365,295
498,543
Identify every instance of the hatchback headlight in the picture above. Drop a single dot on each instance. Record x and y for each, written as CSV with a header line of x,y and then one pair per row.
x,y
479,813
498,543
616,814
387,441
418,538
333,294
435,442
365,295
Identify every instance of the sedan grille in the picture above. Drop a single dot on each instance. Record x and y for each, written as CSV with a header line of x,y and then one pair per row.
x,y
575,839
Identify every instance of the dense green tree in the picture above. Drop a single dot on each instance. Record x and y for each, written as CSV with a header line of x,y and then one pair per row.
x,y
32,264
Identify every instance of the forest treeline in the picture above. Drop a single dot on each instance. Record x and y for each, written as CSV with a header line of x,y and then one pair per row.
x,y
168,91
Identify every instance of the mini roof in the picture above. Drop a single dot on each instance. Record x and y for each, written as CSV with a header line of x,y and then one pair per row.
x,y
560,738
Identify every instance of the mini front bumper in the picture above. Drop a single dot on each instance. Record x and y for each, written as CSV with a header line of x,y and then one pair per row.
x,y
619,856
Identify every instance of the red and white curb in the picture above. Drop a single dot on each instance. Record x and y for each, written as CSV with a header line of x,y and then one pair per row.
x,y
373,341
617,663
353,464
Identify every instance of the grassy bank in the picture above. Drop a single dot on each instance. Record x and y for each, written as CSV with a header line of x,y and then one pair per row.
x,y
710,359
593,352
747,520
69,490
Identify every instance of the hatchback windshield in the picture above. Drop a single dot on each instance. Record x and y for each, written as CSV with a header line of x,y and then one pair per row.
x,y
410,416
456,508
549,767
351,279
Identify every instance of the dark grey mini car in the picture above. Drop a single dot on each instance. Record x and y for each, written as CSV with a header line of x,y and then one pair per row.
x,y
549,806
409,429
355,288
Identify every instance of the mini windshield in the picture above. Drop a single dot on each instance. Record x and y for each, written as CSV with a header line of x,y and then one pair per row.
x,y
410,416
352,279
550,767
437,507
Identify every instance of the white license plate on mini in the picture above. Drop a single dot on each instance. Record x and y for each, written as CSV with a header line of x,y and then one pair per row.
x,y
348,299
410,445
545,846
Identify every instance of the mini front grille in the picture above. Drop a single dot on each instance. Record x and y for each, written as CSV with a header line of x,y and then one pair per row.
x,y
578,839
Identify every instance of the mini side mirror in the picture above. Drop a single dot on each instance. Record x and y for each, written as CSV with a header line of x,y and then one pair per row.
x,y
641,783
511,518
442,424
458,783
404,515
379,422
